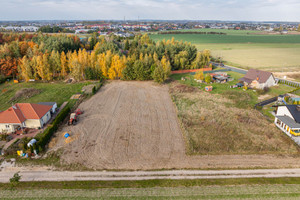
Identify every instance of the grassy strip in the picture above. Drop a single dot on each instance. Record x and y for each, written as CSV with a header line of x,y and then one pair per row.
x,y
149,183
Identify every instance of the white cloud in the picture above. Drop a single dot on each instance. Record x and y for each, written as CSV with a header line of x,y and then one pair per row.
x,y
150,9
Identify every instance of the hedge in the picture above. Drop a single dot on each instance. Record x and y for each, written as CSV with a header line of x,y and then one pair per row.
x,y
44,137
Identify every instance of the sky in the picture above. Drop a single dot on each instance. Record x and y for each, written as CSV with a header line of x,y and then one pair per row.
x,y
239,10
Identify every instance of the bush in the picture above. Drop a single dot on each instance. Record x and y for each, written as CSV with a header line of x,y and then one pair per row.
x,y
199,75
15,179
263,91
207,78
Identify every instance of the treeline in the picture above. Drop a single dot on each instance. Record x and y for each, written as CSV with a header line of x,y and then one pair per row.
x,y
192,32
15,46
57,57
54,29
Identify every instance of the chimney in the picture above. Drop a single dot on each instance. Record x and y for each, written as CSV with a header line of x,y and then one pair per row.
x,y
298,108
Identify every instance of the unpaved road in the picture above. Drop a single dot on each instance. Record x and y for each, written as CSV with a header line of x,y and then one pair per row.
x,y
134,126
147,175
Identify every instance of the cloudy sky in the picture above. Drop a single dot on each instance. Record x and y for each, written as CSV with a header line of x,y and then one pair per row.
x,y
256,10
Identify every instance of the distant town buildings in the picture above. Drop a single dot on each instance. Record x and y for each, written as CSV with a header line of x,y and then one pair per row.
x,y
144,26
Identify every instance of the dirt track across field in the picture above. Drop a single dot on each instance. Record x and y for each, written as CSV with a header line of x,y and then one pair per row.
x,y
134,126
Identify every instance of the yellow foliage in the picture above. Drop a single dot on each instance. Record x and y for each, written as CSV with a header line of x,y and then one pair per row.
x,y
199,75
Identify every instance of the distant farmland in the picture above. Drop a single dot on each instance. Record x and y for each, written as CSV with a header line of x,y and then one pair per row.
x,y
246,49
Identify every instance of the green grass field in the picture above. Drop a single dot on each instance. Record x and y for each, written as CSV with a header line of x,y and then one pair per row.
x,y
53,92
228,32
252,188
238,48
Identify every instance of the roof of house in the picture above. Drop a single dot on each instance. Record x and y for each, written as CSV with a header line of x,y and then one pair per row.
x,y
255,74
295,112
18,113
288,121
47,103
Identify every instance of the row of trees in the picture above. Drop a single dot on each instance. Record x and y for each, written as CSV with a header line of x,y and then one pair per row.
x,y
47,58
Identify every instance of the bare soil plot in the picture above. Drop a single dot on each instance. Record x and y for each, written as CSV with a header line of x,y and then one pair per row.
x,y
127,125
134,125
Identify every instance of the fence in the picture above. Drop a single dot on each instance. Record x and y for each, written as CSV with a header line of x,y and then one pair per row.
x,y
213,71
266,102
191,70
290,83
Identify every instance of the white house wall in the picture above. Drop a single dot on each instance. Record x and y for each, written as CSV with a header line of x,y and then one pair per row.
x,y
32,123
270,82
54,108
283,110
8,130
45,119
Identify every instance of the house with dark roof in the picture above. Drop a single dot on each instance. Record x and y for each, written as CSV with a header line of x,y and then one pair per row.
x,y
24,115
287,119
259,79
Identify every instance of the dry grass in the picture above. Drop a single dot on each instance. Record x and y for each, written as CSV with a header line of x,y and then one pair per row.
x,y
216,124
25,93
272,59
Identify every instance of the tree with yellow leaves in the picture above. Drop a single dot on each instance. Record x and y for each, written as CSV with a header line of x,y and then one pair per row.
x,y
63,64
117,66
25,69
166,66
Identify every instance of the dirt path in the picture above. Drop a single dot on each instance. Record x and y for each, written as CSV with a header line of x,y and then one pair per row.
x,y
148,175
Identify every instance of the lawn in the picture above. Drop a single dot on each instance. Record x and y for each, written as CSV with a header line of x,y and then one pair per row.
x,y
268,52
252,188
225,87
54,92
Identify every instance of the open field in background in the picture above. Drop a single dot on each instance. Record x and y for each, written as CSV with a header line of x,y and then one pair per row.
x,y
229,32
55,92
274,53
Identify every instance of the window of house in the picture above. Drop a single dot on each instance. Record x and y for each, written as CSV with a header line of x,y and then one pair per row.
x,y
7,126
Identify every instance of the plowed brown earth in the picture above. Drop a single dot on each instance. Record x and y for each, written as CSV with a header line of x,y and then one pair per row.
x,y
134,125
127,125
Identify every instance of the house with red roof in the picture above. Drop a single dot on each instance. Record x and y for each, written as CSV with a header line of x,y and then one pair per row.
x,y
24,115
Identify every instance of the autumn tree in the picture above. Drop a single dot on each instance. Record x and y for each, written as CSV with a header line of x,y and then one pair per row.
x,y
25,69
63,65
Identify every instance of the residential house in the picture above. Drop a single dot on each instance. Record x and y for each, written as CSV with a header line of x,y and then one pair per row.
x,y
287,118
24,115
259,79
53,104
